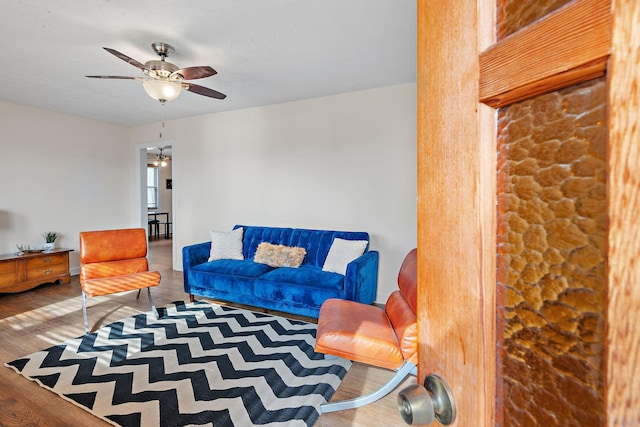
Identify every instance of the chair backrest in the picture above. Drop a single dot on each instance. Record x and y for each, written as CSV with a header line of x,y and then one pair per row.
x,y
401,307
107,253
408,279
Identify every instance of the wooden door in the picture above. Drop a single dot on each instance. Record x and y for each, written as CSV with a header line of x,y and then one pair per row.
x,y
457,183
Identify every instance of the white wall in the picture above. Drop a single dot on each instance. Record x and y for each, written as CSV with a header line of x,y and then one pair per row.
x,y
165,195
344,162
61,173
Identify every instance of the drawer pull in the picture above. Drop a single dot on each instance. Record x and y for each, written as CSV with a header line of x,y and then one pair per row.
x,y
47,259
47,271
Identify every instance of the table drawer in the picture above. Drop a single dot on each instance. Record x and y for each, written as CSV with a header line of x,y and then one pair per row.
x,y
46,261
45,271
8,273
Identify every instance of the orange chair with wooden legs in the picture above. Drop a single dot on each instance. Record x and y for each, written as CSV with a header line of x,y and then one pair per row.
x,y
113,261
387,337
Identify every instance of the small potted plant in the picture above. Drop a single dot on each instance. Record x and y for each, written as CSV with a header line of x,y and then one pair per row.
x,y
50,240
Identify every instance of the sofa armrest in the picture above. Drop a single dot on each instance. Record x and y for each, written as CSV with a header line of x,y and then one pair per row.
x,y
361,280
191,256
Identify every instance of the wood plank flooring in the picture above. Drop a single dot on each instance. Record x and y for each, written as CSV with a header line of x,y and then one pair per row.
x,y
39,318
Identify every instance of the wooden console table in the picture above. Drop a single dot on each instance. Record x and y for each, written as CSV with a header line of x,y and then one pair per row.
x,y
22,272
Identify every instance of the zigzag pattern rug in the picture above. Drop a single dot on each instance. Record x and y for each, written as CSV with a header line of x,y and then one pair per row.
x,y
199,364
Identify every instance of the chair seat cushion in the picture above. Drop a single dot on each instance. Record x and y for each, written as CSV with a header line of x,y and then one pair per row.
x,y
114,284
358,332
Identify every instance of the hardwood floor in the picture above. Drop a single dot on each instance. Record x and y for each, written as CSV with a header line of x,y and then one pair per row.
x,y
39,318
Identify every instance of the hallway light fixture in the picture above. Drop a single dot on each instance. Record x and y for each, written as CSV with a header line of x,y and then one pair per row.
x,y
161,159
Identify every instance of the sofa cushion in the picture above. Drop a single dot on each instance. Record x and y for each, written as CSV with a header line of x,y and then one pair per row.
x,y
228,274
253,236
303,276
279,286
279,255
243,268
315,242
226,245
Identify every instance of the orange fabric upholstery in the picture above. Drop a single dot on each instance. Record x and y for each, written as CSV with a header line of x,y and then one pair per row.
x,y
121,267
357,332
112,285
112,245
114,261
371,335
405,326
408,279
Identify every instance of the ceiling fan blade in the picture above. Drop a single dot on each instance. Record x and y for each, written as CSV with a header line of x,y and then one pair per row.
x,y
201,90
125,58
115,77
192,73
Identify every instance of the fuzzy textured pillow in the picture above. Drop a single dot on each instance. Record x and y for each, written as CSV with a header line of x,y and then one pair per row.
x,y
226,245
341,253
279,255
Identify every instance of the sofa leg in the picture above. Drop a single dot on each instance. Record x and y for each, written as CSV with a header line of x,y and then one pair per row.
x,y
191,298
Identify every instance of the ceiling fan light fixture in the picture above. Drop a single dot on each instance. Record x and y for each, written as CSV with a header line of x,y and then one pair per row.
x,y
164,81
161,158
161,161
162,90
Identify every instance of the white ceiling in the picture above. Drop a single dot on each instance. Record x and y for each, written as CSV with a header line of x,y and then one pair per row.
x,y
265,52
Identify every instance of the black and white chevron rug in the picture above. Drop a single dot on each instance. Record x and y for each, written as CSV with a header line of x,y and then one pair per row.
x,y
199,364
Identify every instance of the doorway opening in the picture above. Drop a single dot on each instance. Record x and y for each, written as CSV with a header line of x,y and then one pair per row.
x,y
156,201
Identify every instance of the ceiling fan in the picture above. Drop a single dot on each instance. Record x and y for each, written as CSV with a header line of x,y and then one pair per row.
x,y
161,158
163,80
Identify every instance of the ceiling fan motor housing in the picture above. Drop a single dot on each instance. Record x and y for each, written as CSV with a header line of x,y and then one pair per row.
x,y
160,68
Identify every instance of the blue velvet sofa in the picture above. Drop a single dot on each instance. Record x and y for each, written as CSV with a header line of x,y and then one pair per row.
x,y
300,290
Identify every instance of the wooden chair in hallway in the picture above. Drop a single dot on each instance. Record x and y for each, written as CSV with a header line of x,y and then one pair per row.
x,y
154,228
113,261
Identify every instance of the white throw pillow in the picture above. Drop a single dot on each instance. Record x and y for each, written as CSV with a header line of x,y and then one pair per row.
x,y
341,253
226,245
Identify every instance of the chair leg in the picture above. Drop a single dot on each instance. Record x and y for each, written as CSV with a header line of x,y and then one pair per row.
x,y
153,307
84,312
407,368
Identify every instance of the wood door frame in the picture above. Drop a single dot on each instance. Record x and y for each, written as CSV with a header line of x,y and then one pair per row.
x,y
457,189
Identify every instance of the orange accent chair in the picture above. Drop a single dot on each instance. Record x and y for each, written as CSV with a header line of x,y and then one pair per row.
x,y
113,261
387,337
